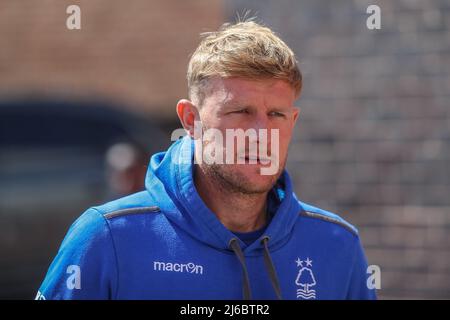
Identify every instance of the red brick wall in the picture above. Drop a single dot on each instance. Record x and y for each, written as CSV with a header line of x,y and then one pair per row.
x,y
135,52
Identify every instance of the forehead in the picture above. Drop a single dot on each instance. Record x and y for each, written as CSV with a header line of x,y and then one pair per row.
x,y
225,91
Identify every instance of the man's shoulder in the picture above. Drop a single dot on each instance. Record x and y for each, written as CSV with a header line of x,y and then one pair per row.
x,y
98,219
329,218
126,213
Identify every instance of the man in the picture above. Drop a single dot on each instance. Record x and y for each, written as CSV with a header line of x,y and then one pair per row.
x,y
211,229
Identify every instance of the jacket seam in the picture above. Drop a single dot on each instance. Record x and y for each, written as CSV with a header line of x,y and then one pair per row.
x,y
128,211
314,215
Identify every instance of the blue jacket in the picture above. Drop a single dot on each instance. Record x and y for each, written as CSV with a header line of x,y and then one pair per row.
x,y
164,243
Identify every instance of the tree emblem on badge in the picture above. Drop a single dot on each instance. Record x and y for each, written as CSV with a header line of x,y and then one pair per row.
x,y
305,280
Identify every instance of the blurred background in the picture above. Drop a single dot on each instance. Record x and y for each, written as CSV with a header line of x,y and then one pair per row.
x,y
81,112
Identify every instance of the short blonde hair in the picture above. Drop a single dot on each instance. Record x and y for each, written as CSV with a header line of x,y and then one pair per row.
x,y
244,50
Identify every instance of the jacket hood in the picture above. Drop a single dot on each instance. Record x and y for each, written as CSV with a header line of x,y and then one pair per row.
x,y
170,182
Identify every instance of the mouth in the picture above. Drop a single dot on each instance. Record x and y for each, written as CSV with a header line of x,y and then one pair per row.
x,y
256,160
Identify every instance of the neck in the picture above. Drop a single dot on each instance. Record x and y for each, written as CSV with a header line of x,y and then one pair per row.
x,y
238,212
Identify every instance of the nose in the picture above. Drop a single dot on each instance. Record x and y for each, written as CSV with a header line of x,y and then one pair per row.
x,y
261,121
261,124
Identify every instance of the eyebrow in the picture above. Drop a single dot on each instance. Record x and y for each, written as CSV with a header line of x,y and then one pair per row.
x,y
238,104
234,103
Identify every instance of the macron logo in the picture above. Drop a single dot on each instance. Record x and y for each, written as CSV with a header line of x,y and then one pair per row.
x,y
177,267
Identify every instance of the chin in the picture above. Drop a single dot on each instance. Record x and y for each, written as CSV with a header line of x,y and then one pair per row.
x,y
252,180
242,178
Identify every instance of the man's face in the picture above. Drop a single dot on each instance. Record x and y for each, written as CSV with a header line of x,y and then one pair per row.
x,y
235,103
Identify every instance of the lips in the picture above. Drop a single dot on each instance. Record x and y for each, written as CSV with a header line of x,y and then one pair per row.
x,y
259,160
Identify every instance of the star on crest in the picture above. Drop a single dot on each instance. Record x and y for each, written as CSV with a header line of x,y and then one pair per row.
x,y
308,262
300,262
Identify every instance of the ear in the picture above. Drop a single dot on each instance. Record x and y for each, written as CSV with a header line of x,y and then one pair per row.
x,y
295,114
187,113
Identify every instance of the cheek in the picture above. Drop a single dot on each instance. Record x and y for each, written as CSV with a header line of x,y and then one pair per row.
x,y
284,139
216,123
208,117
284,135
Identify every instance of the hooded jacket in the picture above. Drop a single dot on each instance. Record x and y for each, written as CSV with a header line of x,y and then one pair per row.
x,y
164,243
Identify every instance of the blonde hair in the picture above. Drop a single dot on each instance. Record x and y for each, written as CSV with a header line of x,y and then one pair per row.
x,y
244,50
